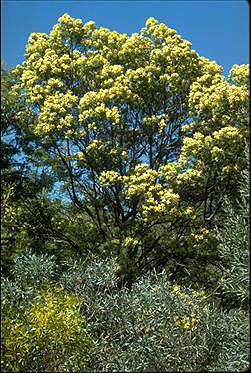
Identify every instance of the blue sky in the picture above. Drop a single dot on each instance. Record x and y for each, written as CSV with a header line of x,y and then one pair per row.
x,y
218,30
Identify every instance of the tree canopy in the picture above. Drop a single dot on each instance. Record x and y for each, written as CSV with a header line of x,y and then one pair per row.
x,y
147,136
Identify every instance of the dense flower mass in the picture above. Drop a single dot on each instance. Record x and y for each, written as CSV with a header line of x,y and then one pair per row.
x,y
143,183
145,119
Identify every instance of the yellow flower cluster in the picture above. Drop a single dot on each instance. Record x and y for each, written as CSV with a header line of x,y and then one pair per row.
x,y
37,43
217,153
54,313
155,123
93,109
80,156
192,146
200,234
55,83
151,22
142,183
133,50
107,71
96,146
47,62
139,78
189,211
169,49
238,101
109,177
231,169
223,103
191,175
158,31
55,114
108,43
227,134
199,149
204,91
72,25
111,70
107,90
187,322
28,78
130,242
176,289
158,202
239,74
209,66
170,168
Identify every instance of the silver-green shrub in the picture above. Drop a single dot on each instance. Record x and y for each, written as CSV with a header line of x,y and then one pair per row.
x,y
157,326
235,249
32,270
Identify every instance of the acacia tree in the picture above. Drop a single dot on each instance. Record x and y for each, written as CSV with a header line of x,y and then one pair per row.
x,y
146,135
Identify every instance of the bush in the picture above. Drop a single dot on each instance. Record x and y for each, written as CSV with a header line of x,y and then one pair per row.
x,y
50,336
157,326
234,250
32,270
42,326
154,326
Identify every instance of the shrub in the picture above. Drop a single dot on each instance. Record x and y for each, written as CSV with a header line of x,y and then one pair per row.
x,y
42,326
157,326
234,250
51,336
32,270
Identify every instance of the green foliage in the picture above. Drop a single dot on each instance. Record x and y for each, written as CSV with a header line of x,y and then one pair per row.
x,y
234,249
22,186
90,277
156,326
43,327
14,137
74,232
84,322
50,335
32,221
32,270
23,227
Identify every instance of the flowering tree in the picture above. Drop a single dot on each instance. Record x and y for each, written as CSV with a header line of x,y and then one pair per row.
x,y
146,135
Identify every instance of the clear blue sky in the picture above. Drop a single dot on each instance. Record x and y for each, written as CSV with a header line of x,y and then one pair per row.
x,y
218,30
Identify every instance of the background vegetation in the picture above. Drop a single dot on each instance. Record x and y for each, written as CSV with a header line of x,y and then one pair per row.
x,y
125,205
